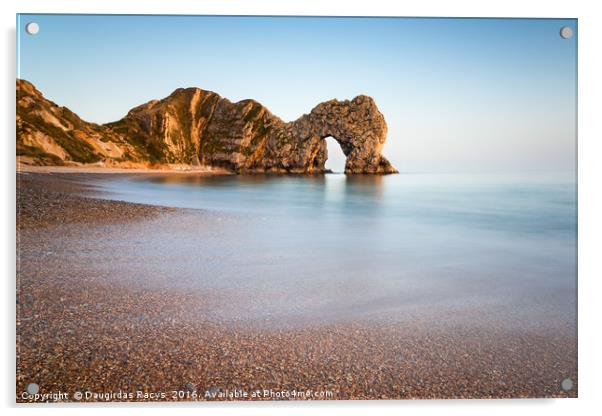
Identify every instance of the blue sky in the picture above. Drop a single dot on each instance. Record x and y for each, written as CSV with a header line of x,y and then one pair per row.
x,y
457,94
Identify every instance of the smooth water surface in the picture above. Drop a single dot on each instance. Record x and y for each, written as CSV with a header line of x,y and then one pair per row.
x,y
335,246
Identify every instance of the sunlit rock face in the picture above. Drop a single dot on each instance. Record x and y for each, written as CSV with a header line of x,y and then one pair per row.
x,y
194,126
356,125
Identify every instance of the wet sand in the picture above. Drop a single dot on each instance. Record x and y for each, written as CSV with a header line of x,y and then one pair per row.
x,y
81,328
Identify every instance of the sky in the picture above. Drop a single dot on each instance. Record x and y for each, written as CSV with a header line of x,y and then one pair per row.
x,y
458,95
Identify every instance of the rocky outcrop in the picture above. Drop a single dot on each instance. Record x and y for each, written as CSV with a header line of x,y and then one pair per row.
x,y
193,126
357,125
48,134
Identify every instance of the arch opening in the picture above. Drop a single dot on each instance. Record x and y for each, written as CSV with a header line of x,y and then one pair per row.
x,y
336,158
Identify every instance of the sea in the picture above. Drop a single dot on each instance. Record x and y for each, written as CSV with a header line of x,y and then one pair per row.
x,y
443,247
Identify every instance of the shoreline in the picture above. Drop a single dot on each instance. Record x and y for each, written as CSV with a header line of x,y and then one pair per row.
x,y
82,326
165,169
51,200
176,169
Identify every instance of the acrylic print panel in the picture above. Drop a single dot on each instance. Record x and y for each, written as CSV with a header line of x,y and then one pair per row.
x,y
295,208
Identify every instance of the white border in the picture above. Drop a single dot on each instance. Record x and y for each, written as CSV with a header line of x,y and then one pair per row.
x,y
590,189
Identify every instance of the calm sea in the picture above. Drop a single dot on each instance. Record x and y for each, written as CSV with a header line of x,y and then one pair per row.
x,y
497,246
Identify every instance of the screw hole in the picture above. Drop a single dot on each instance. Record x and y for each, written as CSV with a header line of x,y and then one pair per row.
x,y
32,28
32,388
566,32
567,384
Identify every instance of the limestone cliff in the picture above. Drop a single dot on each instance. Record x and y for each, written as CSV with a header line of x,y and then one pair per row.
x,y
193,126
48,134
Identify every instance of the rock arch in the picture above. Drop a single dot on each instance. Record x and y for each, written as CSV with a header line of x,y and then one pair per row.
x,y
359,128
357,125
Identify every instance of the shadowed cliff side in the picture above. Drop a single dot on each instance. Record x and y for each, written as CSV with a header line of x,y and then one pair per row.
x,y
193,126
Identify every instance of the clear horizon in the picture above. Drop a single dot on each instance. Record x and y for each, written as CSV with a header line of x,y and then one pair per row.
x,y
457,94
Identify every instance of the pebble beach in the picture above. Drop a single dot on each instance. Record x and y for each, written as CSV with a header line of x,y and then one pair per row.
x,y
97,336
